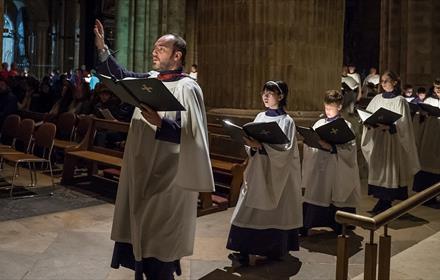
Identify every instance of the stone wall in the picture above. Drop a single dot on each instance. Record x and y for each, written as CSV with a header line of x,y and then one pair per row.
x,y
410,36
242,44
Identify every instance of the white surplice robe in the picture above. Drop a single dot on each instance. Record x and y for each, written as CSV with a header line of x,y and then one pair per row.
x,y
392,158
331,178
156,203
429,141
270,196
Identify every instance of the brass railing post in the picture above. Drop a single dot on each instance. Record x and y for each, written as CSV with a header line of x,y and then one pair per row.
x,y
384,255
342,256
372,224
370,258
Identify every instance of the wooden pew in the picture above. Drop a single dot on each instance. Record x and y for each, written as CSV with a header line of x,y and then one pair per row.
x,y
87,150
228,160
81,129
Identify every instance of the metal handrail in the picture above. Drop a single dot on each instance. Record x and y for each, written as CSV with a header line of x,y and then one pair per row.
x,y
372,224
389,215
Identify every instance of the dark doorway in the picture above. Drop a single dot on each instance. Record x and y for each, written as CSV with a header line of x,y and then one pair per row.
x,y
362,34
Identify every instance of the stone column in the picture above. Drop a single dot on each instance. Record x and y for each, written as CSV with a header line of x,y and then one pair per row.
x,y
410,40
60,35
2,10
136,29
41,55
122,31
76,33
69,33
190,35
140,22
174,17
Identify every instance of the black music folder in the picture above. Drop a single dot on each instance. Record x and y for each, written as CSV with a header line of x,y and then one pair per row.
x,y
311,137
263,132
413,108
382,116
431,110
334,133
149,91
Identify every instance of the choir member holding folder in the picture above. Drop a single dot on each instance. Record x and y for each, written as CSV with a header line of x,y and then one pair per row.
x,y
330,174
429,143
268,214
165,165
419,116
267,132
389,149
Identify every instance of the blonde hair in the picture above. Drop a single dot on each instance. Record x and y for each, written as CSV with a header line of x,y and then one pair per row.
x,y
333,97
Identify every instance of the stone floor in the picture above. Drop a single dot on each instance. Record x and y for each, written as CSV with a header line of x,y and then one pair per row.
x,y
76,244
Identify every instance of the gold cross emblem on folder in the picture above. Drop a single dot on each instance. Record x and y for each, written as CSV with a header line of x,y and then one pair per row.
x,y
334,131
146,88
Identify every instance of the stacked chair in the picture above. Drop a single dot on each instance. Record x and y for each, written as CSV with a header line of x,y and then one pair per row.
x,y
29,146
9,131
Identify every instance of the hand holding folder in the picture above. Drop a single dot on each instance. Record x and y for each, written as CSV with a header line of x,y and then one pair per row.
x,y
430,110
334,133
382,116
149,91
263,132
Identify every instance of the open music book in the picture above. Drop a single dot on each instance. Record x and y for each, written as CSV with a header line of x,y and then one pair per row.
x,y
383,116
334,133
149,91
431,110
263,132
350,82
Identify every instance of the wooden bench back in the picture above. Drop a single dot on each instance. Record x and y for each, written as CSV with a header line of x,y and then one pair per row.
x,y
95,124
36,116
222,145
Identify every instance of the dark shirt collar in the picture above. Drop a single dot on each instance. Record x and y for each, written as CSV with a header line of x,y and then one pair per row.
x,y
275,112
171,75
332,119
417,100
435,96
387,95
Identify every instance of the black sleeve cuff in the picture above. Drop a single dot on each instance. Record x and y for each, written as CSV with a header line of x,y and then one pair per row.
x,y
393,129
262,151
170,131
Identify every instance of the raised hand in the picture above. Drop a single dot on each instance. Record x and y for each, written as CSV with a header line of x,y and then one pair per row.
x,y
99,35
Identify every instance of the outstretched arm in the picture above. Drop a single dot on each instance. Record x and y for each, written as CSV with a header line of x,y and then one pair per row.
x,y
107,64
